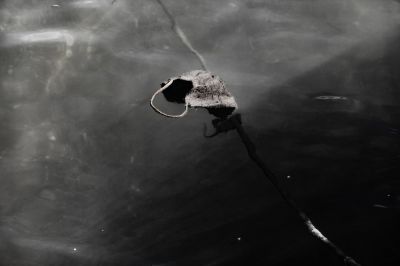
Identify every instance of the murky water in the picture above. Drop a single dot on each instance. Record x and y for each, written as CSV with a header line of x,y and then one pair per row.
x,y
90,175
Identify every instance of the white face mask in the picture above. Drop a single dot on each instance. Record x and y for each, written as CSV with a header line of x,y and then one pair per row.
x,y
197,88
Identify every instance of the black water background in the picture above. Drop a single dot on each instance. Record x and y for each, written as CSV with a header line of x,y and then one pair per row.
x,y
86,164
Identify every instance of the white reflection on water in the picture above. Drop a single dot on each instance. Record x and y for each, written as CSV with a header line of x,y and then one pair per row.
x,y
332,98
88,4
49,245
49,36
41,37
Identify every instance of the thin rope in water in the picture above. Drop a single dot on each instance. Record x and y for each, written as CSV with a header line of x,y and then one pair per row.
x,y
161,112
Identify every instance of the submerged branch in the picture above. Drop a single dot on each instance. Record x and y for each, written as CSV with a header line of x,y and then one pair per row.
x,y
251,150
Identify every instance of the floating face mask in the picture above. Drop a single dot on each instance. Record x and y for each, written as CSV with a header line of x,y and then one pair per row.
x,y
197,88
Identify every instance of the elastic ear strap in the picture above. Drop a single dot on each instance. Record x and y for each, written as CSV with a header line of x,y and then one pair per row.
x,y
161,112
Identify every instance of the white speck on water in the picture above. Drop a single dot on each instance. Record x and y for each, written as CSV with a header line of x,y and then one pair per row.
x,y
51,136
102,230
135,188
84,136
74,249
89,49
55,5
380,206
68,53
48,195
136,20
331,98
132,159
250,42
239,238
388,195
288,177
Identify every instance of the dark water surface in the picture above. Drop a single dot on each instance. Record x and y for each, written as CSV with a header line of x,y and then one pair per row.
x,y
90,175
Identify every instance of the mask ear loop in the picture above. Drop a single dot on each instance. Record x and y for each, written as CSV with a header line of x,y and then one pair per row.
x,y
161,112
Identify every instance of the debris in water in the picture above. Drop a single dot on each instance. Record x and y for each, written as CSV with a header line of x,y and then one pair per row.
x,y
197,88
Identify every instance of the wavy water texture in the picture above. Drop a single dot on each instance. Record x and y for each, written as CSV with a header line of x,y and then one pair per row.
x,y
85,164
